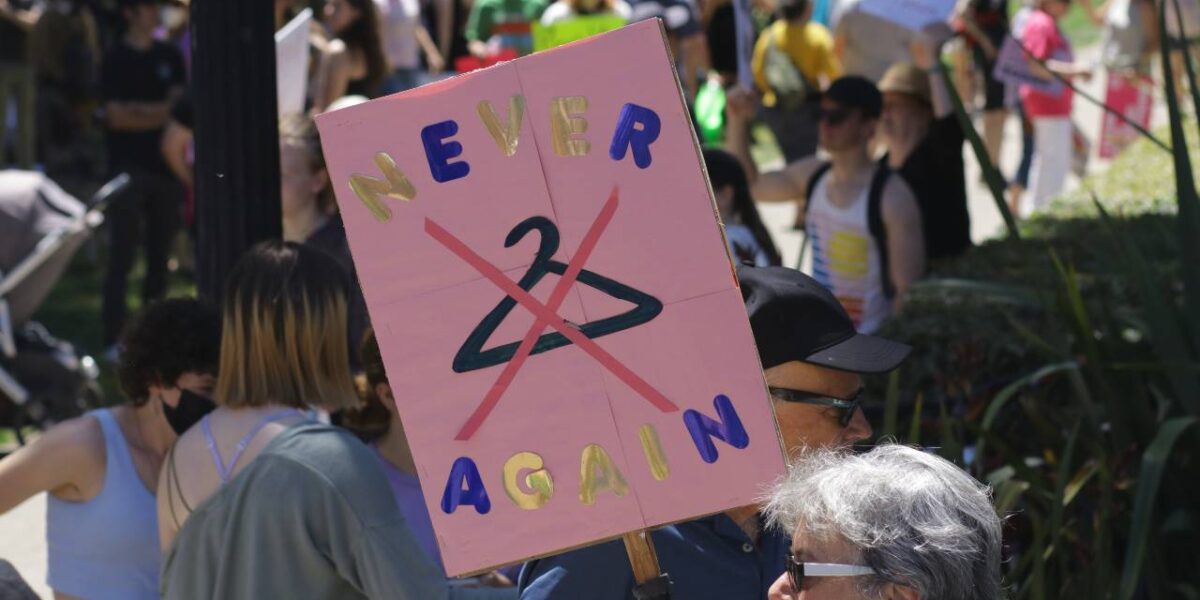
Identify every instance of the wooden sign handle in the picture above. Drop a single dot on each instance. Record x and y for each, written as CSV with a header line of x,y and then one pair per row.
x,y
640,548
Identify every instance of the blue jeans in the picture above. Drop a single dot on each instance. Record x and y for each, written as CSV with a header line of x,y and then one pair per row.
x,y
401,80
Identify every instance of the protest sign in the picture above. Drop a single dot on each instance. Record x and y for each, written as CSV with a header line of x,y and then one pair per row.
x,y
539,250
1012,68
910,14
291,63
1132,97
573,29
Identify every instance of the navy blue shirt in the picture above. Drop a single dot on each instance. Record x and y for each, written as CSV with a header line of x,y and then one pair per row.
x,y
706,558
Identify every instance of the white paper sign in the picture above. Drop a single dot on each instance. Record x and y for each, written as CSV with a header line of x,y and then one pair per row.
x,y
291,63
911,14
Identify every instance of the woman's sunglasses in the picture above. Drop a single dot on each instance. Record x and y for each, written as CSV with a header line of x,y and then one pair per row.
x,y
797,571
846,406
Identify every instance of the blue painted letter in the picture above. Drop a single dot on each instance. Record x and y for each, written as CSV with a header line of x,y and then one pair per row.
x,y
627,135
439,154
465,487
703,429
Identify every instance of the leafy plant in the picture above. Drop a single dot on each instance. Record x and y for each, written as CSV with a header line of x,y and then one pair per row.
x,y
1063,368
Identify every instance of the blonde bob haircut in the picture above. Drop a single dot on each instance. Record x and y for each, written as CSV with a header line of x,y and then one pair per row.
x,y
284,330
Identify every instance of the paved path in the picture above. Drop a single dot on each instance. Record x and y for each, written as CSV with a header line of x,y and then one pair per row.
x,y
23,542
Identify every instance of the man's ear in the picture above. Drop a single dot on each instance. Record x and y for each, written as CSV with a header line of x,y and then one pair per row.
x,y
895,591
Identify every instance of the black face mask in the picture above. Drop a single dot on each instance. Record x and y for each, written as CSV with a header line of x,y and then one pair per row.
x,y
192,407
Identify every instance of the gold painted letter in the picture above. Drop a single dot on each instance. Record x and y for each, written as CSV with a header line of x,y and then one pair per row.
x,y
598,473
538,486
397,186
506,136
565,122
654,452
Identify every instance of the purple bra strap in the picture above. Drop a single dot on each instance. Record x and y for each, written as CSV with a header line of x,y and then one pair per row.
x,y
223,471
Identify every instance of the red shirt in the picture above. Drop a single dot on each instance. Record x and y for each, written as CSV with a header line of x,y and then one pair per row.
x,y
1045,40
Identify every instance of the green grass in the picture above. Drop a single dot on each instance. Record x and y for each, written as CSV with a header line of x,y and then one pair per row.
x,y
72,310
1140,180
1079,28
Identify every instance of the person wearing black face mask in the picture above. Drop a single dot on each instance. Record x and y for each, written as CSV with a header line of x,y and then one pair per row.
x,y
101,470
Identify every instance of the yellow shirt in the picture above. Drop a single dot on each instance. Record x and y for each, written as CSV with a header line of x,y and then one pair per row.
x,y
810,47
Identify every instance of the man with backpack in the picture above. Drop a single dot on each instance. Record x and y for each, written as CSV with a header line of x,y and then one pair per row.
x,y
793,61
863,222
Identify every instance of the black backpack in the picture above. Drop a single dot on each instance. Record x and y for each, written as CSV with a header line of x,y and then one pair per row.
x,y
874,218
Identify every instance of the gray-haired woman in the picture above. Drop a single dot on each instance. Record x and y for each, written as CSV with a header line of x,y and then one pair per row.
x,y
894,523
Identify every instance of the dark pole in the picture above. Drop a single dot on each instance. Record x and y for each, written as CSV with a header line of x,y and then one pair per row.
x,y
237,133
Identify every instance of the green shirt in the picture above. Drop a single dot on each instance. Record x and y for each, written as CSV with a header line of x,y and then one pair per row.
x,y
311,517
510,20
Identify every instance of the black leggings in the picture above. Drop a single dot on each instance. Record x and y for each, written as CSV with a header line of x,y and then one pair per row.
x,y
148,212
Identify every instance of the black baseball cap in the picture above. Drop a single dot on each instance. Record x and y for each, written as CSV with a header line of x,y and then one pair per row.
x,y
852,91
795,318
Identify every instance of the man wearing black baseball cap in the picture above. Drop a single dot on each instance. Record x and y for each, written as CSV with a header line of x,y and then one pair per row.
x,y
812,357
812,360
864,224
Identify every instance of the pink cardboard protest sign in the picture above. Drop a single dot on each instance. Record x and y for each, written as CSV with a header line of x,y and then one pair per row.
x,y
539,250
1132,97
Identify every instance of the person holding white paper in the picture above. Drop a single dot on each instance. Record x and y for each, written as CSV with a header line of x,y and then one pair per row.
x,y
1050,113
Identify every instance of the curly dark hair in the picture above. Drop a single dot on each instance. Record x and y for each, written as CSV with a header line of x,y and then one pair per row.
x,y
165,340
370,420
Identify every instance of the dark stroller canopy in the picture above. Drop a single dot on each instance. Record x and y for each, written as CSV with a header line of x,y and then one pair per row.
x,y
32,208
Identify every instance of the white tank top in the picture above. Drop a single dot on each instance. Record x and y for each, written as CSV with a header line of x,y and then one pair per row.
x,y
846,257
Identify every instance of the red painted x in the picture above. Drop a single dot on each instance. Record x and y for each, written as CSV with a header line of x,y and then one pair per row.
x,y
545,315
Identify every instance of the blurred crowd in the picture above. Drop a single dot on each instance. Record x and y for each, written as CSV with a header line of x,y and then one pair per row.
x,y
95,87
228,410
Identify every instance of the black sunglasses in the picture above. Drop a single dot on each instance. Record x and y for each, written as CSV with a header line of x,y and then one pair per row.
x,y
833,116
847,406
798,570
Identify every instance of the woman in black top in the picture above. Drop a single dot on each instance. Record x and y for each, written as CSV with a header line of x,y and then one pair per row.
x,y
924,145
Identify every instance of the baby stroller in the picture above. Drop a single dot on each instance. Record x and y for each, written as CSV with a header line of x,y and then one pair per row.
x,y
43,380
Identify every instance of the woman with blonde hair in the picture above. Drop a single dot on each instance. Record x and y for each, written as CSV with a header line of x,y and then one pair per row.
x,y
260,502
